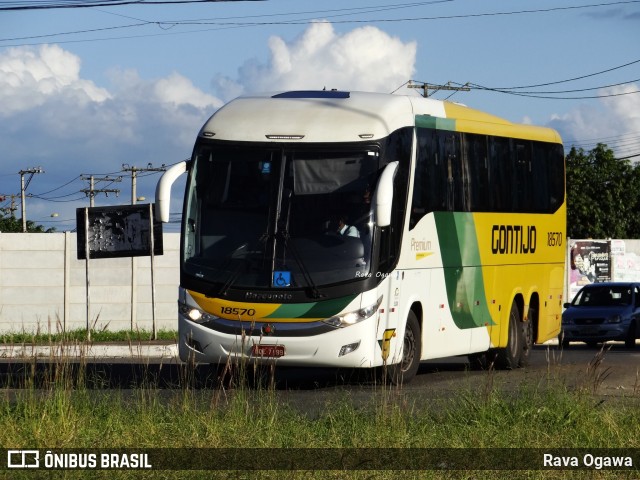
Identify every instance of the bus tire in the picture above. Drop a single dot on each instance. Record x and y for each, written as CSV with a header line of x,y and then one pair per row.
x,y
406,369
509,356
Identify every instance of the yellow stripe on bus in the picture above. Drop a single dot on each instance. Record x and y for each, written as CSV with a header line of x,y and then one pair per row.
x,y
234,310
469,120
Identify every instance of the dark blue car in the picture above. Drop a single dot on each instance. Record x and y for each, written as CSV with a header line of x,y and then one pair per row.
x,y
601,312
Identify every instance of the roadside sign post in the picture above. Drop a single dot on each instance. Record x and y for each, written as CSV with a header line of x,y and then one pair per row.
x,y
153,283
86,268
119,231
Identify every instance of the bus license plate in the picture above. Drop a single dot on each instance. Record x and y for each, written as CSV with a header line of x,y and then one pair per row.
x,y
271,351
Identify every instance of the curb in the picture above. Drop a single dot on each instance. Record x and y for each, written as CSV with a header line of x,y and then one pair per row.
x,y
105,350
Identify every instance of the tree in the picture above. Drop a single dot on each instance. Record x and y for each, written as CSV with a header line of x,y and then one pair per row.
x,y
602,196
12,224
634,199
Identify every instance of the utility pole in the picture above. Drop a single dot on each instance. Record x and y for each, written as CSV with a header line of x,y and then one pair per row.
x,y
13,206
91,192
134,267
11,210
134,173
23,186
436,88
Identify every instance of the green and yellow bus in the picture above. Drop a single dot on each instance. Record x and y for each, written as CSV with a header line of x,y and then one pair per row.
x,y
352,229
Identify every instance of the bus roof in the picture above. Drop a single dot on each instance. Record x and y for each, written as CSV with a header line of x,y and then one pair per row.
x,y
341,116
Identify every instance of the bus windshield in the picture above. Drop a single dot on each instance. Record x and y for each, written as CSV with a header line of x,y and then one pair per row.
x,y
259,217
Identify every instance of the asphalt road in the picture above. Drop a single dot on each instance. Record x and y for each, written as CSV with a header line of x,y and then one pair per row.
x,y
609,371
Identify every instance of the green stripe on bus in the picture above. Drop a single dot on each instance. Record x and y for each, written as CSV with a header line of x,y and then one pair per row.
x,y
438,123
324,309
329,308
291,310
462,270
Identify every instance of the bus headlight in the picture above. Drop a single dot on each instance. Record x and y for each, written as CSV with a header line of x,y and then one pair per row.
x,y
351,318
193,314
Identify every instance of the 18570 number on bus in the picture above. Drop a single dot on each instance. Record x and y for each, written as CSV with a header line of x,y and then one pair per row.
x,y
238,311
554,239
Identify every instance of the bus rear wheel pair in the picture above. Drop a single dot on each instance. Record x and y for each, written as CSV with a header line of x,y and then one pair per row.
x,y
519,344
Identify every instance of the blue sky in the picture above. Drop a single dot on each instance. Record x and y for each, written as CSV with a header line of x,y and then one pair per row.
x,y
85,90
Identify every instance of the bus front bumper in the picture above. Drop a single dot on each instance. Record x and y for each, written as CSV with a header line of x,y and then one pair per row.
x,y
355,346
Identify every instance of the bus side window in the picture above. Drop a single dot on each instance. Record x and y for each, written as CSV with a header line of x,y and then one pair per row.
x,y
478,173
554,159
449,151
522,176
475,163
430,181
500,175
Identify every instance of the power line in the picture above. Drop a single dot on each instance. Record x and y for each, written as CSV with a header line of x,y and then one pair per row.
x,y
91,192
414,19
75,32
629,156
58,188
549,97
101,3
54,199
582,77
479,87
257,23
173,23
599,140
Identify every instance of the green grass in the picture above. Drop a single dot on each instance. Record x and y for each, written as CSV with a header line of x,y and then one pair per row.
x,y
543,414
80,335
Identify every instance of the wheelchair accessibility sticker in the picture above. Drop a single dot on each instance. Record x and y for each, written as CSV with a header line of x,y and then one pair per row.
x,y
281,279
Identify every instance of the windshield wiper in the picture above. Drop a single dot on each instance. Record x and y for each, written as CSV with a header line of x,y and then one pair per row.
x,y
236,271
313,289
283,232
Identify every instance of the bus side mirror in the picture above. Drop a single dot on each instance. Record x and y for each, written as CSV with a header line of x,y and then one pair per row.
x,y
383,196
163,190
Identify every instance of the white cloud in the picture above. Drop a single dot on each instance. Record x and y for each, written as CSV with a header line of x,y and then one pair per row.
x,y
625,106
51,116
581,123
42,90
179,90
616,116
29,77
363,59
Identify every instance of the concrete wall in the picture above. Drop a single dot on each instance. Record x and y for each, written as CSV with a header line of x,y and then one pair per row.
x,y
43,286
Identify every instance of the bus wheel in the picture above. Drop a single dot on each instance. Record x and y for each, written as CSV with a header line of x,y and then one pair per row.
x,y
404,371
509,356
